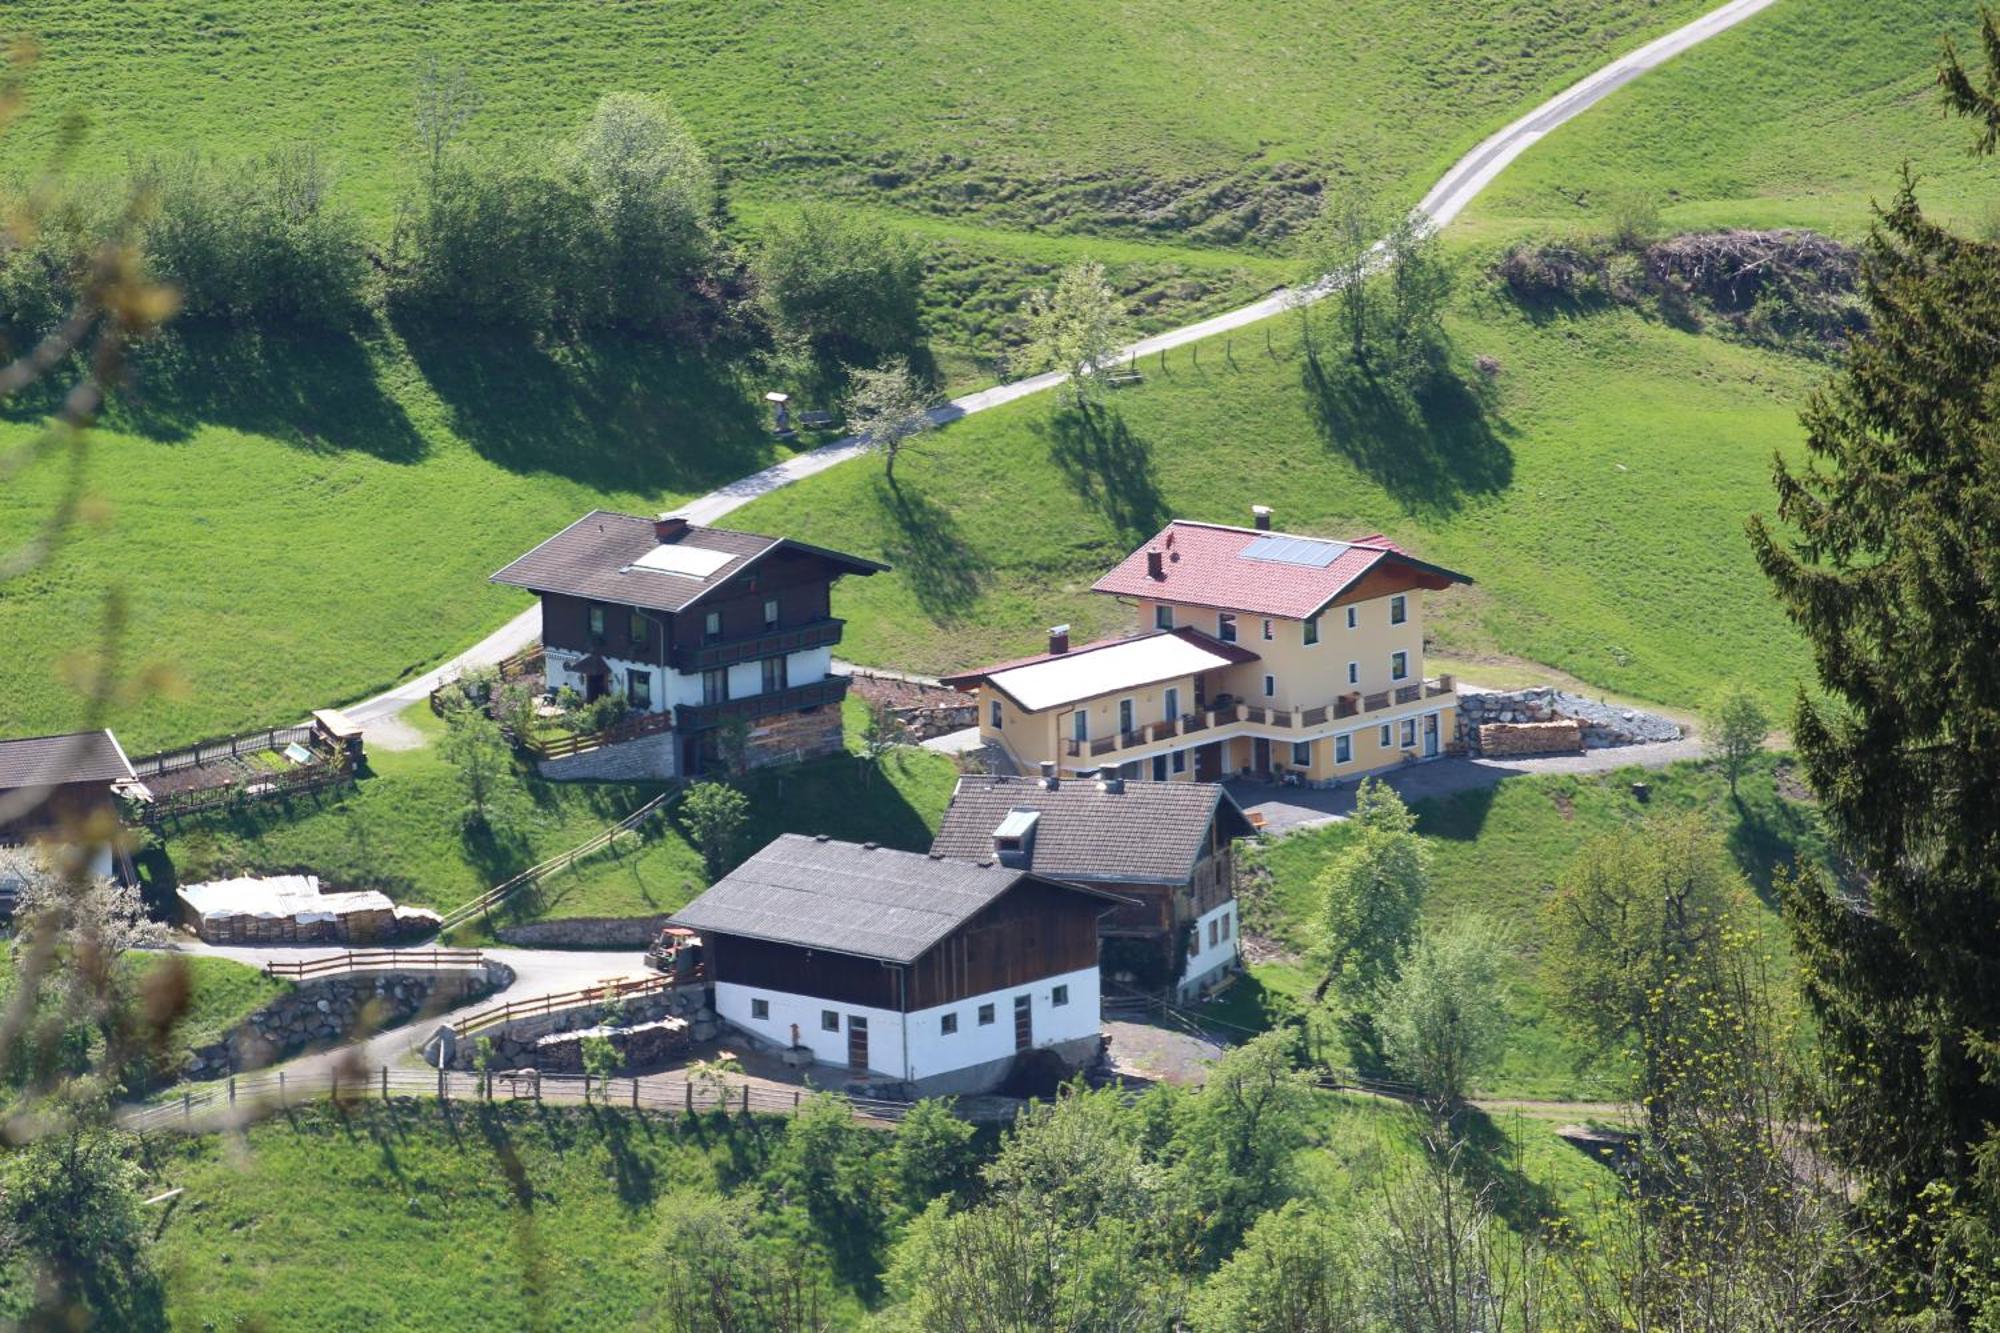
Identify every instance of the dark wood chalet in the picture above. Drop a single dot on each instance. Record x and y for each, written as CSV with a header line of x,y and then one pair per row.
x,y
699,626
915,968
64,789
1165,848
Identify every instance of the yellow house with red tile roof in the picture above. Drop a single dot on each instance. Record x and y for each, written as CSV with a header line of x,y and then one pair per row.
x,y
1253,652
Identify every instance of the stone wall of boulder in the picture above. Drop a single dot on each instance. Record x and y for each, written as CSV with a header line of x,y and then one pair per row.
x,y
1603,725
518,1045
585,932
335,1009
641,1047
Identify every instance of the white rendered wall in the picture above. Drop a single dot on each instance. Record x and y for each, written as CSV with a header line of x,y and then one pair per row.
x,y
931,1052
1208,959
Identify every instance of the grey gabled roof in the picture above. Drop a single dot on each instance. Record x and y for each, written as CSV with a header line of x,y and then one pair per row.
x,y
851,898
594,558
1148,833
51,761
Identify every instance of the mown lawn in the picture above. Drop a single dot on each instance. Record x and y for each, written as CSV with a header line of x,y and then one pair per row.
x,y
295,522
399,831
1800,116
1497,854
1595,488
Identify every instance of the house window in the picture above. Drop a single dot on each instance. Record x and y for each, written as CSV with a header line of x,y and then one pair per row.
x,y
948,1024
715,685
1225,925
1399,666
1343,749
1409,732
770,613
985,1015
1302,754
1270,686
1354,673
1225,627
829,1020
635,629
1079,725
1130,770
1387,736
711,626
993,709
1399,609
1268,634
1312,631
1194,940
597,624
776,676
1159,768
1214,937
1059,996
1124,717
1172,708
760,1008
1352,618
639,688
1180,761
1163,617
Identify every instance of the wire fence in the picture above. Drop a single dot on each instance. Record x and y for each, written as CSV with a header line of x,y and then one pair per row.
x,y
246,1097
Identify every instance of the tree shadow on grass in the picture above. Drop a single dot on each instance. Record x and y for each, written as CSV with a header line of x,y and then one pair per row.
x,y
613,413
944,573
841,796
1431,446
1491,1162
315,390
1108,467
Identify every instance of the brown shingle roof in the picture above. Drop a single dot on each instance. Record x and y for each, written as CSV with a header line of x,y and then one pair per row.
x,y
1250,570
594,557
845,897
1149,833
51,761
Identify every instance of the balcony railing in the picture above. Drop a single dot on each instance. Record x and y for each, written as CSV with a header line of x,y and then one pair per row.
x,y
702,717
765,643
1201,720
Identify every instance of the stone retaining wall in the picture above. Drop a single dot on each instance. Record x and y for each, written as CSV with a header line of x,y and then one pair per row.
x,y
641,1047
333,1010
647,759
792,738
1602,725
518,1045
585,932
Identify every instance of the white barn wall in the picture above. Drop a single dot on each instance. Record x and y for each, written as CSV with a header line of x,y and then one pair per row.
x,y
1209,961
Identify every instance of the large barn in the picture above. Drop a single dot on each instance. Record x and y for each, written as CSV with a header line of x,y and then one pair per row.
x,y
900,966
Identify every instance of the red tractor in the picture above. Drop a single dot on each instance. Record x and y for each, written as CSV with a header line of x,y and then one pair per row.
x,y
677,952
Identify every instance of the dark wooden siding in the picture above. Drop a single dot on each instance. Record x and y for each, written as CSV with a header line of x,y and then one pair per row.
x,y
1032,931
68,809
799,582
836,977
566,625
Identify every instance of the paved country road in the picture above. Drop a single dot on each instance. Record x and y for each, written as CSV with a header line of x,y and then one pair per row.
x,y
1447,199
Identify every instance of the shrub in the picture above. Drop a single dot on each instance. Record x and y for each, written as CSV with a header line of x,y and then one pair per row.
x,y
842,289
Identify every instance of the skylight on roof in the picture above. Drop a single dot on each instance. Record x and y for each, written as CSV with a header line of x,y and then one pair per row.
x,y
689,562
1294,551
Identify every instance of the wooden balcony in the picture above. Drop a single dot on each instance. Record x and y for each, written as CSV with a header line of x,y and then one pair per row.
x,y
749,648
703,717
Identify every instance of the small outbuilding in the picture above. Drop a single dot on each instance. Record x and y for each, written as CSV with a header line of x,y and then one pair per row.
x,y
63,790
900,966
290,909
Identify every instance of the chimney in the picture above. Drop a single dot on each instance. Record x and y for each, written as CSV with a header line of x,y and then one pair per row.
x,y
1058,639
1261,516
1050,781
1156,564
669,528
1109,781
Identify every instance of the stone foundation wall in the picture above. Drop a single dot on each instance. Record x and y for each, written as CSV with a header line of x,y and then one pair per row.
x,y
929,720
586,932
648,759
1602,725
333,1010
518,1045
641,1047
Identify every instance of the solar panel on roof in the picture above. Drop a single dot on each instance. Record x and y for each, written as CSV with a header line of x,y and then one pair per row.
x,y
692,562
1294,551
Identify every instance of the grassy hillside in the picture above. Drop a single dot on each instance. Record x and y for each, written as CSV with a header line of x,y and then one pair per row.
x,y
1595,489
399,831
1496,853
1799,117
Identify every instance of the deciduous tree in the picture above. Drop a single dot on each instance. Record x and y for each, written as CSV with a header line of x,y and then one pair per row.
x,y
716,815
1442,1018
1372,891
889,408
1736,728
1077,327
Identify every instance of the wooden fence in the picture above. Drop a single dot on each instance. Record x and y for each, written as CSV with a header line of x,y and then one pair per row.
x,y
542,1005
631,729
528,662
484,904
248,1096
357,960
259,787
229,747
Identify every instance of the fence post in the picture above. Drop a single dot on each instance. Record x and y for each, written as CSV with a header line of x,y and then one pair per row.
x,y
795,1100
232,1089
688,1087
187,1108
281,1089
635,1092
746,1099
385,1083
333,1084
444,1093
489,1085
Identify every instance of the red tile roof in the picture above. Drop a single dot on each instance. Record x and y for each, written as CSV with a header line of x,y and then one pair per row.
x,y
1204,564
